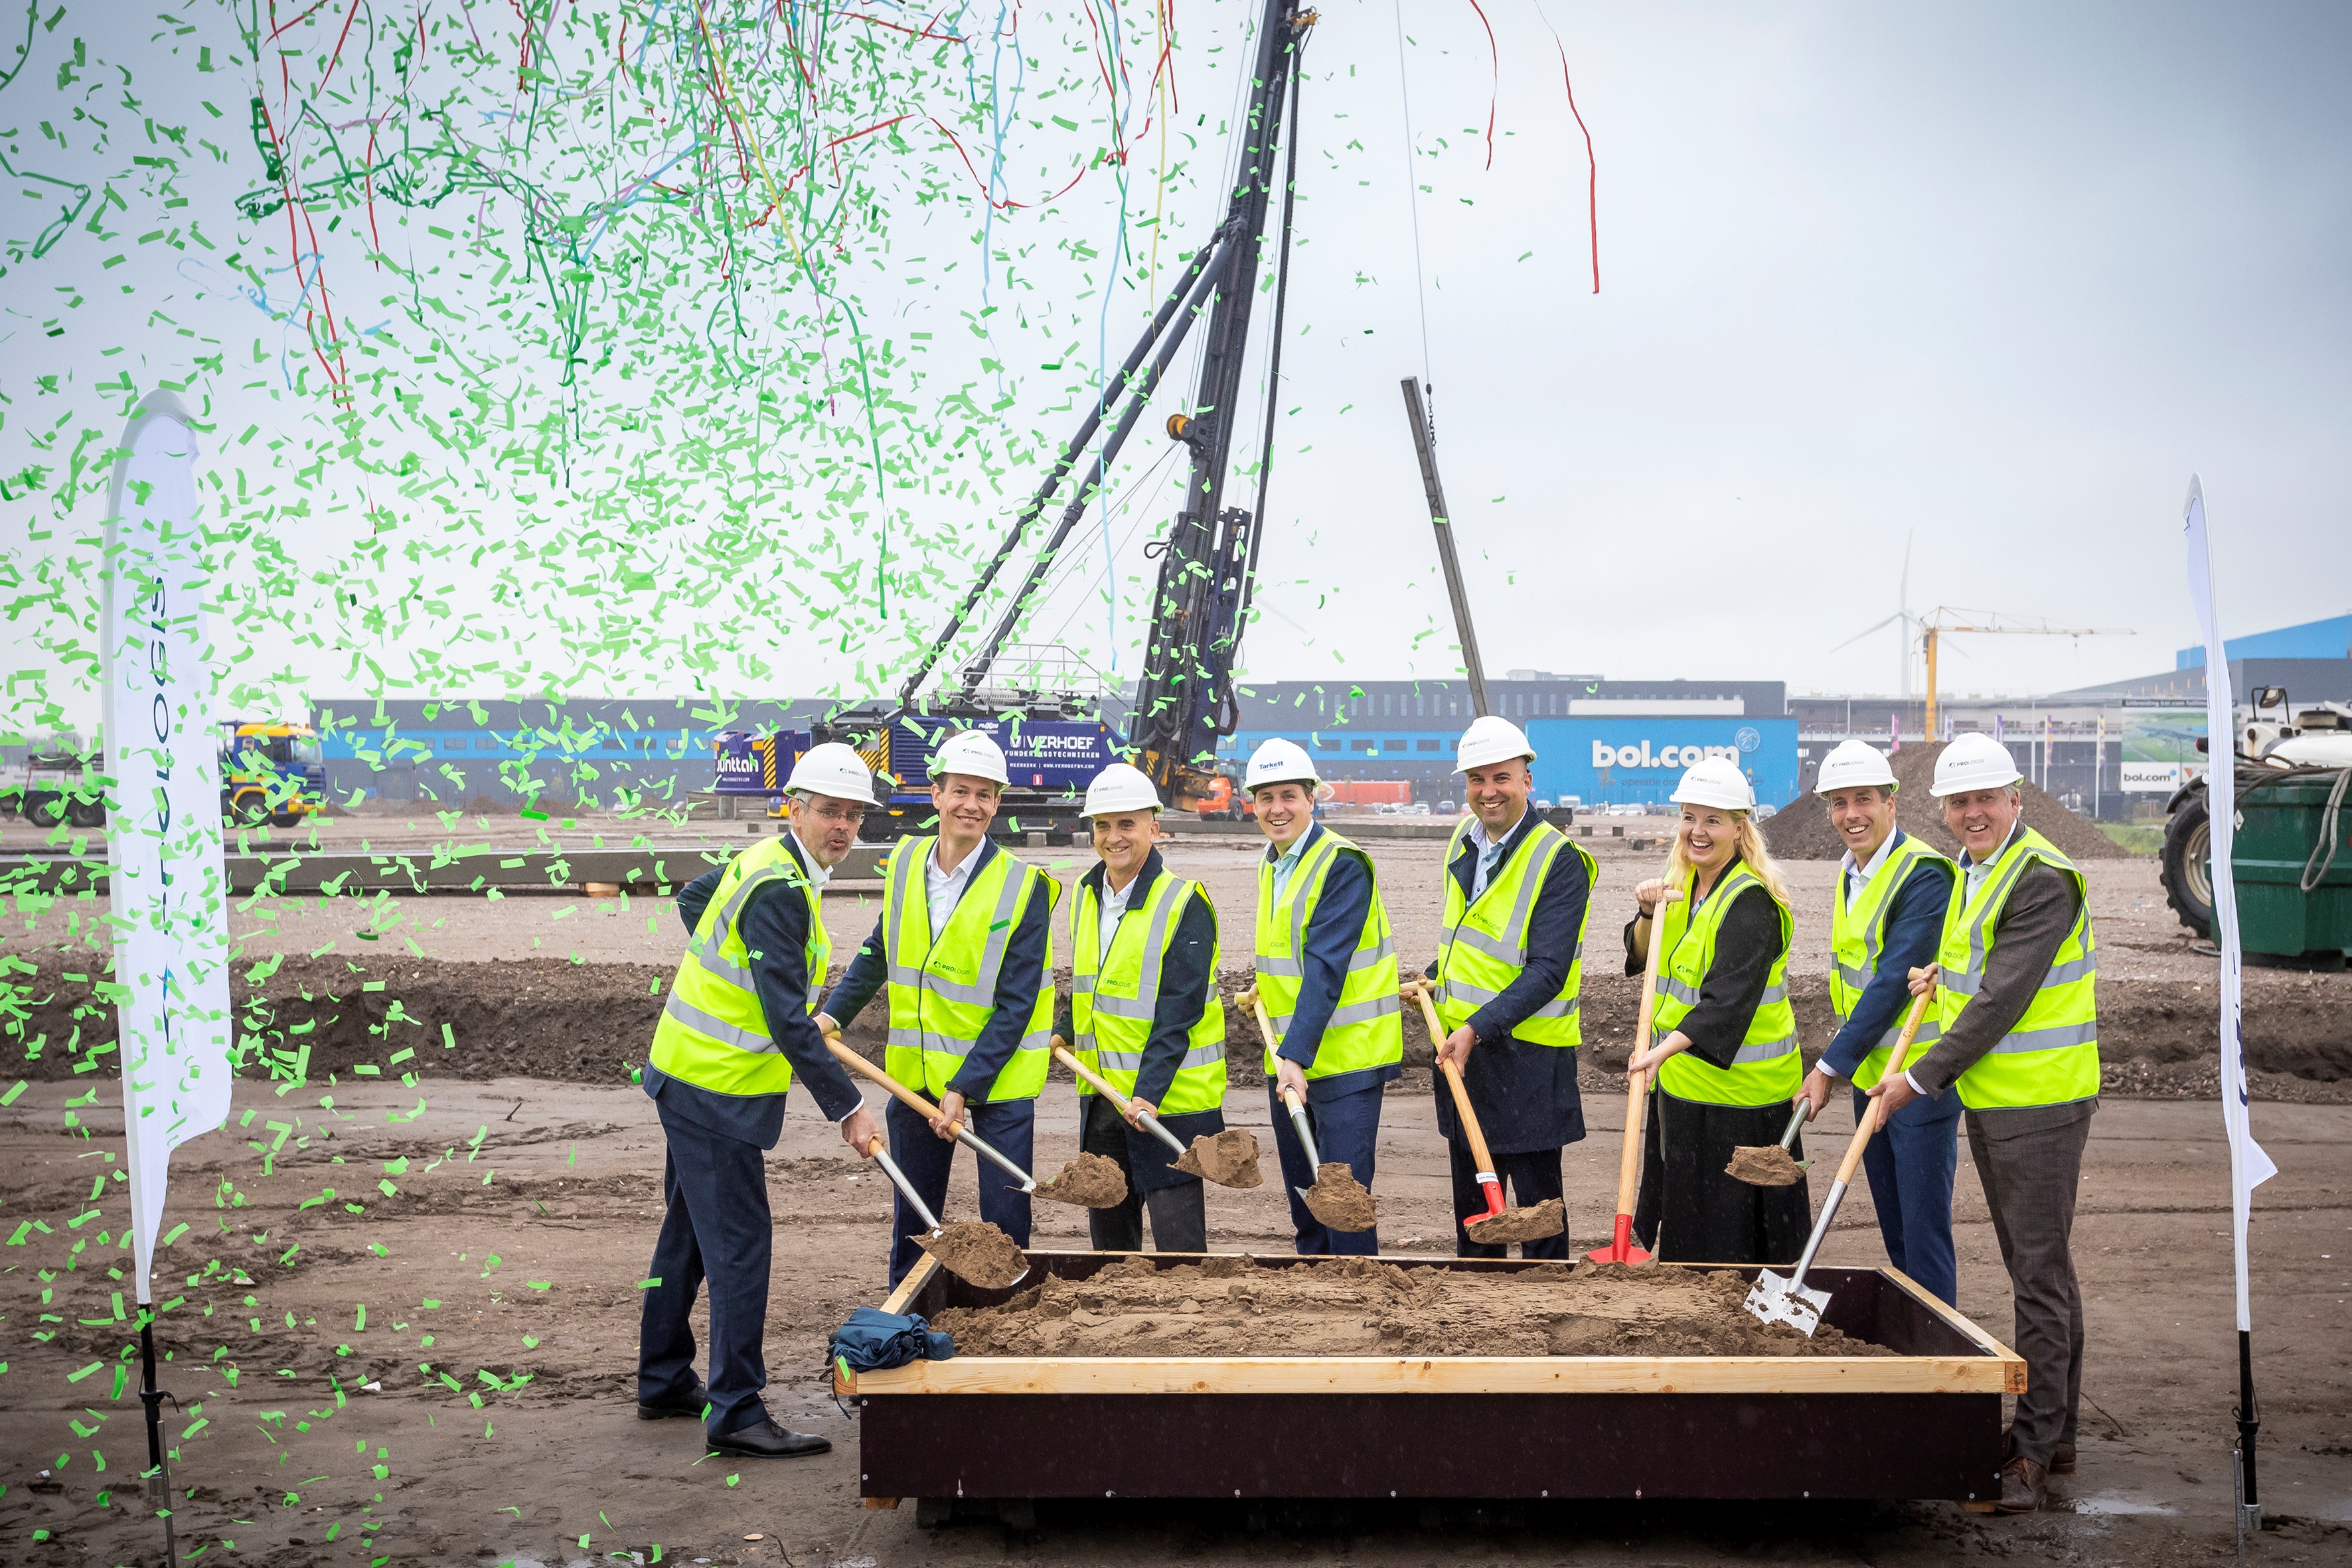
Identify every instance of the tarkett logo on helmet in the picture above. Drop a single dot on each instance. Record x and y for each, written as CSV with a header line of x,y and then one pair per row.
x,y
1606,755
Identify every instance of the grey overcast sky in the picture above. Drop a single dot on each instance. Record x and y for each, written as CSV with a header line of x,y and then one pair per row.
x,y
1990,279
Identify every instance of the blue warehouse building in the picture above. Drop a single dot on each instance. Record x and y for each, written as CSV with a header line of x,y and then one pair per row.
x,y
1598,742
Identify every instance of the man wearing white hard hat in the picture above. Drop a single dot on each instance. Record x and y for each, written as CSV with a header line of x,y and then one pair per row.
x,y
1723,1048
2016,979
1327,973
1506,984
735,1028
965,950
1887,918
1146,1015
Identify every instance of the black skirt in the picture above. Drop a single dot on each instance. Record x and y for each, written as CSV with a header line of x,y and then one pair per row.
x,y
1690,1212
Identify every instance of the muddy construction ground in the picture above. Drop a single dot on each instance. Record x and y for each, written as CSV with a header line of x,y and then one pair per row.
x,y
403,1316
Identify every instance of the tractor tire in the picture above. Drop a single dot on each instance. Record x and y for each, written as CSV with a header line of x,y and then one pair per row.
x,y
86,813
2188,867
44,807
250,808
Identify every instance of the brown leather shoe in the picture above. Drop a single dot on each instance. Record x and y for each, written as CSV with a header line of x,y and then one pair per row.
x,y
2062,1458
2022,1484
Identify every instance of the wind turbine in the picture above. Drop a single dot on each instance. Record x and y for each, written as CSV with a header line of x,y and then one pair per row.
x,y
1903,620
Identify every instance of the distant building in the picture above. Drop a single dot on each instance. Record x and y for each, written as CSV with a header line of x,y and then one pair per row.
x,y
2329,639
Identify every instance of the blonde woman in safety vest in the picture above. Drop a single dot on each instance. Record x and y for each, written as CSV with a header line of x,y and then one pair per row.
x,y
1725,1051
2017,979
964,951
1146,1015
1887,917
735,1027
1506,982
1327,973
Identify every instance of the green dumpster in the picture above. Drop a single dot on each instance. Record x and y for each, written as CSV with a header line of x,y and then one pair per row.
x,y
2292,898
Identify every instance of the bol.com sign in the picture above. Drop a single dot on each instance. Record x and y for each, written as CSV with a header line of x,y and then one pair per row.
x,y
1641,755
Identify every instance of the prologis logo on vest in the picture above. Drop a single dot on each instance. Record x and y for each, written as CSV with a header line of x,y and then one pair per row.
x,y
1606,755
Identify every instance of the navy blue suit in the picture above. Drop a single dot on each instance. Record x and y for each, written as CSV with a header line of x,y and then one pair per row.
x,y
1007,1126
715,1221
1524,1095
1911,1162
1344,1109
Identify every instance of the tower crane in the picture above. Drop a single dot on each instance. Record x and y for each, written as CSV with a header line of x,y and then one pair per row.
x,y
1933,626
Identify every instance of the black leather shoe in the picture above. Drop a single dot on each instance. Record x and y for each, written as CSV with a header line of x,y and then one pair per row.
x,y
767,1440
2022,1487
691,1405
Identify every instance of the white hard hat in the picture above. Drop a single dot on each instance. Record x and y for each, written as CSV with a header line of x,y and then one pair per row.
x,y
1973,762
832,769
1490,739
1852,764
1717,782
970,753
1279,762
1120,787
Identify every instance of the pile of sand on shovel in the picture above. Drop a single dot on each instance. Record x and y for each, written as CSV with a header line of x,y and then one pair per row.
x,y
1229,1157
976,1250
1090,1181
1338,1200
1769,1166
1547,1218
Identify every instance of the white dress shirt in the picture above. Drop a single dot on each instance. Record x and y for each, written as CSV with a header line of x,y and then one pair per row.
x,y
1287,862
1490,854
942,888
818,872
1114,907
1857,878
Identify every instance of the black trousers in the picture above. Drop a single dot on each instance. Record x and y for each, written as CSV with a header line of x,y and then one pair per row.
x,y
1527,1178
1180,1213
715,1225
1008,1126
1690,1212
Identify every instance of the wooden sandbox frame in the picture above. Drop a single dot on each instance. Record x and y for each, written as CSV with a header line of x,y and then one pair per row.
x,y
1924,1424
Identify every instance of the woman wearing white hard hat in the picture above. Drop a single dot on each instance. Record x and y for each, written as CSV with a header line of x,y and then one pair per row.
x,y
1327,973
1724,1047
1887,917
750,974
2016,984
1144,1013
1506,981
965,950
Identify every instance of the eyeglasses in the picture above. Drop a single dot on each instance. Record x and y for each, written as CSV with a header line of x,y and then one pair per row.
x,y
851,813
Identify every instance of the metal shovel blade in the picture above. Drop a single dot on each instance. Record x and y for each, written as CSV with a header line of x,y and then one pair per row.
x,y
1775,1299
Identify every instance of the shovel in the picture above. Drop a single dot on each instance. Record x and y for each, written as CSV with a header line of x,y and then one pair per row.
x,y
1770,1166
1773,1299
1151,1123
1332,1198
987,1270
1515,1225
1620,1248
916,1102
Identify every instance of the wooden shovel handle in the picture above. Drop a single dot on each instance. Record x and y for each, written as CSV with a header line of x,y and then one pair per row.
x,y
899,1091
1637,1086
1062,1055
1876,1113
1470,1128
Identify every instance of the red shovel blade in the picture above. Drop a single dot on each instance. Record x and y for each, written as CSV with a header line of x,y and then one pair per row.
x,y
1620,1248
1491,1185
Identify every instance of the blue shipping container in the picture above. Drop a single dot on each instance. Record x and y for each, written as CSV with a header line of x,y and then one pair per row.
x,y
1630,760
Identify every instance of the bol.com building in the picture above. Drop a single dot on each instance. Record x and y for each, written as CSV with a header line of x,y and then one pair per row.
x,y
1602,742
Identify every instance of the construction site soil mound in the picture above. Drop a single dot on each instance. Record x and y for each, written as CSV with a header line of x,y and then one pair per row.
x,y
1546,1219
594,1023
1229,1157
1801,831
1357,1306
976,1250
1769,1166
1340,1201
1090,1181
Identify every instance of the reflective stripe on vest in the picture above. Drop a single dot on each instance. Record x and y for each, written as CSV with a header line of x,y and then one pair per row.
x,y
1115,996
713,1032
2051,1056
1367,1025
942,988
1767,1069
1485,944
1857,936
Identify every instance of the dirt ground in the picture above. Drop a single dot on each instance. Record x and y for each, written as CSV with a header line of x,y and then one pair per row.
x,y
426,1355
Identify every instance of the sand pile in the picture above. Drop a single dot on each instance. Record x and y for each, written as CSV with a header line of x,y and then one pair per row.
x,y
976,1250
1801,831
1340,1201
1546,1220
1767,1166
1090,1181
1227,1158
1357,1306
